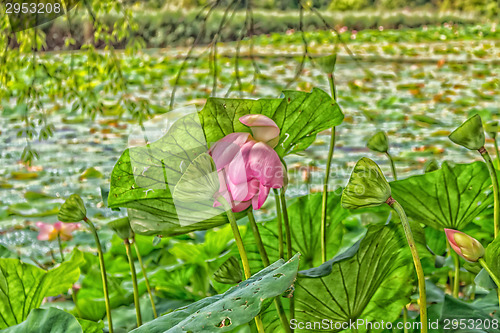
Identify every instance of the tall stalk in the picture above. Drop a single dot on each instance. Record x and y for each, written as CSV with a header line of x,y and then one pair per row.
x,y
456,280
146,280
280,224
288,243
134,282
241,249
393,167
494,181
416,261
265,261
324,208
59,241
103,272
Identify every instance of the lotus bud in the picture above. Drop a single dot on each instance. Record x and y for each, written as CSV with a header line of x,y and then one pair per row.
x,y
470,134
72,210
122,228
200,181
464,245
367,186
379,142
491,128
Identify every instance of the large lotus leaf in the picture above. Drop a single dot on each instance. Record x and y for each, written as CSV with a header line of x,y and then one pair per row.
x,y
237,306
51,320
145,177
299,115
304,215
371,281
450,197
23,286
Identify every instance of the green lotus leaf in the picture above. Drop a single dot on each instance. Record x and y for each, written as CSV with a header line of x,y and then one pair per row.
x,y
470,134
72,210
446,198
378,142
238,306
23,286
229,272
367,186
370,281
199,182
51,320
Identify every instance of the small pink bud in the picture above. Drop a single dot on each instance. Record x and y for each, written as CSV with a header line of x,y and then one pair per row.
x,y
464,245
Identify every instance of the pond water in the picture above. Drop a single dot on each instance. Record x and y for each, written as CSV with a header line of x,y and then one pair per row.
x,y
416,103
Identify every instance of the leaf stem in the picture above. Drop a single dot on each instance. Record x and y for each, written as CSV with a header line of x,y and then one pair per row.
x,y
324,201
288,243
265,261
456,280
416,261
146,280
494,181
60,247
279,218
393,167
103,272
492,275
134,282
496,149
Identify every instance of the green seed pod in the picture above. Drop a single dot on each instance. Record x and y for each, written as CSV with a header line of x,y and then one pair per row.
x,y
367,186
327,63
199,182
379,142
122,228
72,210
470,134
491,128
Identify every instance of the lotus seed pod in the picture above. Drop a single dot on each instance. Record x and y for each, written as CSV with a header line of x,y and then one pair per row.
x,y
491,128
72,210
379,142
470,134
122,228
327,63
367,186
464,245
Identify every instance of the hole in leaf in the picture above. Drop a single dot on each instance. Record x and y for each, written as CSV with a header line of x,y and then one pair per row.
x,y
278,275
224,322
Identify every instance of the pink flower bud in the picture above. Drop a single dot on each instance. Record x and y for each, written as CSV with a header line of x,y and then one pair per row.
x,y
464,245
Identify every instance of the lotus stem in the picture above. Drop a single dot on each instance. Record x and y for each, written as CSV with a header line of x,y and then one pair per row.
x,y
494,181
416,261
456,280
146,280
258,238
324,201
265,261
405,318
60,247
393,167
492,275
288,243
103,272
280,225
496,149
134,283
237,235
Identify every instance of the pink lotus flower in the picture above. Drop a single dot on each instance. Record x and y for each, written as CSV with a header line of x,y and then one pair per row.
x,y
464,245
49,232
247,165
